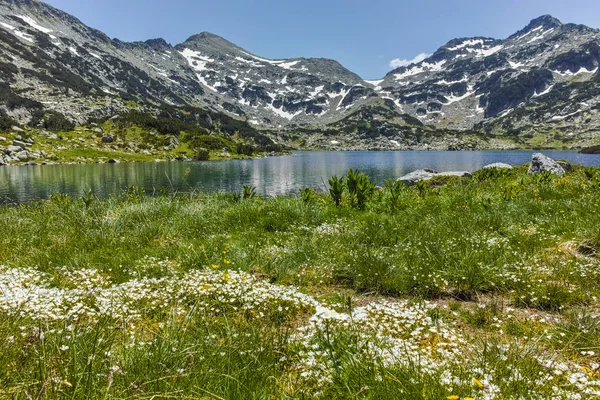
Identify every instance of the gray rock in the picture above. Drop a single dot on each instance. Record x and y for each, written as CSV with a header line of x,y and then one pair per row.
x,y
23,155
53,136
418,175
13,149
461,174
567,166
113,161
98,130
2,139
44,133
18,137
498,165
541,163
16,129
108,138
18,143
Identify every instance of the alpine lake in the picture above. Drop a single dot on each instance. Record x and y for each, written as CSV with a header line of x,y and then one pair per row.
x,y
271,176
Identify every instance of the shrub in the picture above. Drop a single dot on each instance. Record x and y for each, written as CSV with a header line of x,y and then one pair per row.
x,y
336,189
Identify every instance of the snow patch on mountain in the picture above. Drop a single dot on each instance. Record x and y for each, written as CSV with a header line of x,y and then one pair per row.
x,y
548,90
467,43
7,26
196,60
541,36
282,113
31,22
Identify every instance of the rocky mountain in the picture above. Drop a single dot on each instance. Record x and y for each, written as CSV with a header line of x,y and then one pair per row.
x,y
538,87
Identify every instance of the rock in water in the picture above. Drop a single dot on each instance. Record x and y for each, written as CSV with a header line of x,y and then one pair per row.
x,y
498,165
418,175
541,163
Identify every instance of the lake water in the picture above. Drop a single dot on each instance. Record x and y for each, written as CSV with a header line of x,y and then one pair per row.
x,y
271,176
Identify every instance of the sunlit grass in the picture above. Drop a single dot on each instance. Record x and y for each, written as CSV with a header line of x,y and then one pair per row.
x,y
470,288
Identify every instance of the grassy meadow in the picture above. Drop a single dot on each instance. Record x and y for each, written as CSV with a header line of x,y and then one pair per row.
x,y
457,288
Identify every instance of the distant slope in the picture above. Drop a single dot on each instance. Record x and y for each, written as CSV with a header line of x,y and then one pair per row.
x,y
543,80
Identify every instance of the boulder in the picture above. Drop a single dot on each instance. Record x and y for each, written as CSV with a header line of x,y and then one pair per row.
x,y
418,175
113,161
23,155
44,133
498,165
16,129
20,144
98,130
2,139
13,149
108,138
541,163
567,166
461,174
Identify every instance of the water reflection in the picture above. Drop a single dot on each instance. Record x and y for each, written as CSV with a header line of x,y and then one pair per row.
x,y
271,176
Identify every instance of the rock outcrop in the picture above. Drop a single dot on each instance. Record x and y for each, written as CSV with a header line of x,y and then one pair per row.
x,y
541,163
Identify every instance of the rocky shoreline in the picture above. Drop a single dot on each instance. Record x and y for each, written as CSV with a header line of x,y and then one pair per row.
x,y
539,164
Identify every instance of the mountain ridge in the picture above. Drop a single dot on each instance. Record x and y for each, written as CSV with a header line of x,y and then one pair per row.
x,y
544,78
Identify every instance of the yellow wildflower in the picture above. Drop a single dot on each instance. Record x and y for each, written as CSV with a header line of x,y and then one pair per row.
x,y
478,383
214,266
226,261
453,397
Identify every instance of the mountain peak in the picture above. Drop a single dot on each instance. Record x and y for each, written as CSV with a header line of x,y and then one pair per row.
x,y
546,21
204,36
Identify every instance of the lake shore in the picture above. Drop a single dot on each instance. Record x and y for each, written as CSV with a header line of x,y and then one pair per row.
x,y
482,287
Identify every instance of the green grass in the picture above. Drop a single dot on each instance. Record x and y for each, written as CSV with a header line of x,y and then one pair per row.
x,y
83,145
483,288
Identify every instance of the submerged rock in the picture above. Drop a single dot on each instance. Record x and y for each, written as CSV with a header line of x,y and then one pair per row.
x,y
541,163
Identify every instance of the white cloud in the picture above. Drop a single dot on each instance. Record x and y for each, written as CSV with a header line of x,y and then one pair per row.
x,y
397,62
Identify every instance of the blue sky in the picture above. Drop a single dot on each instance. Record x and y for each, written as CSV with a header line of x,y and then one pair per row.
x,y
365,36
